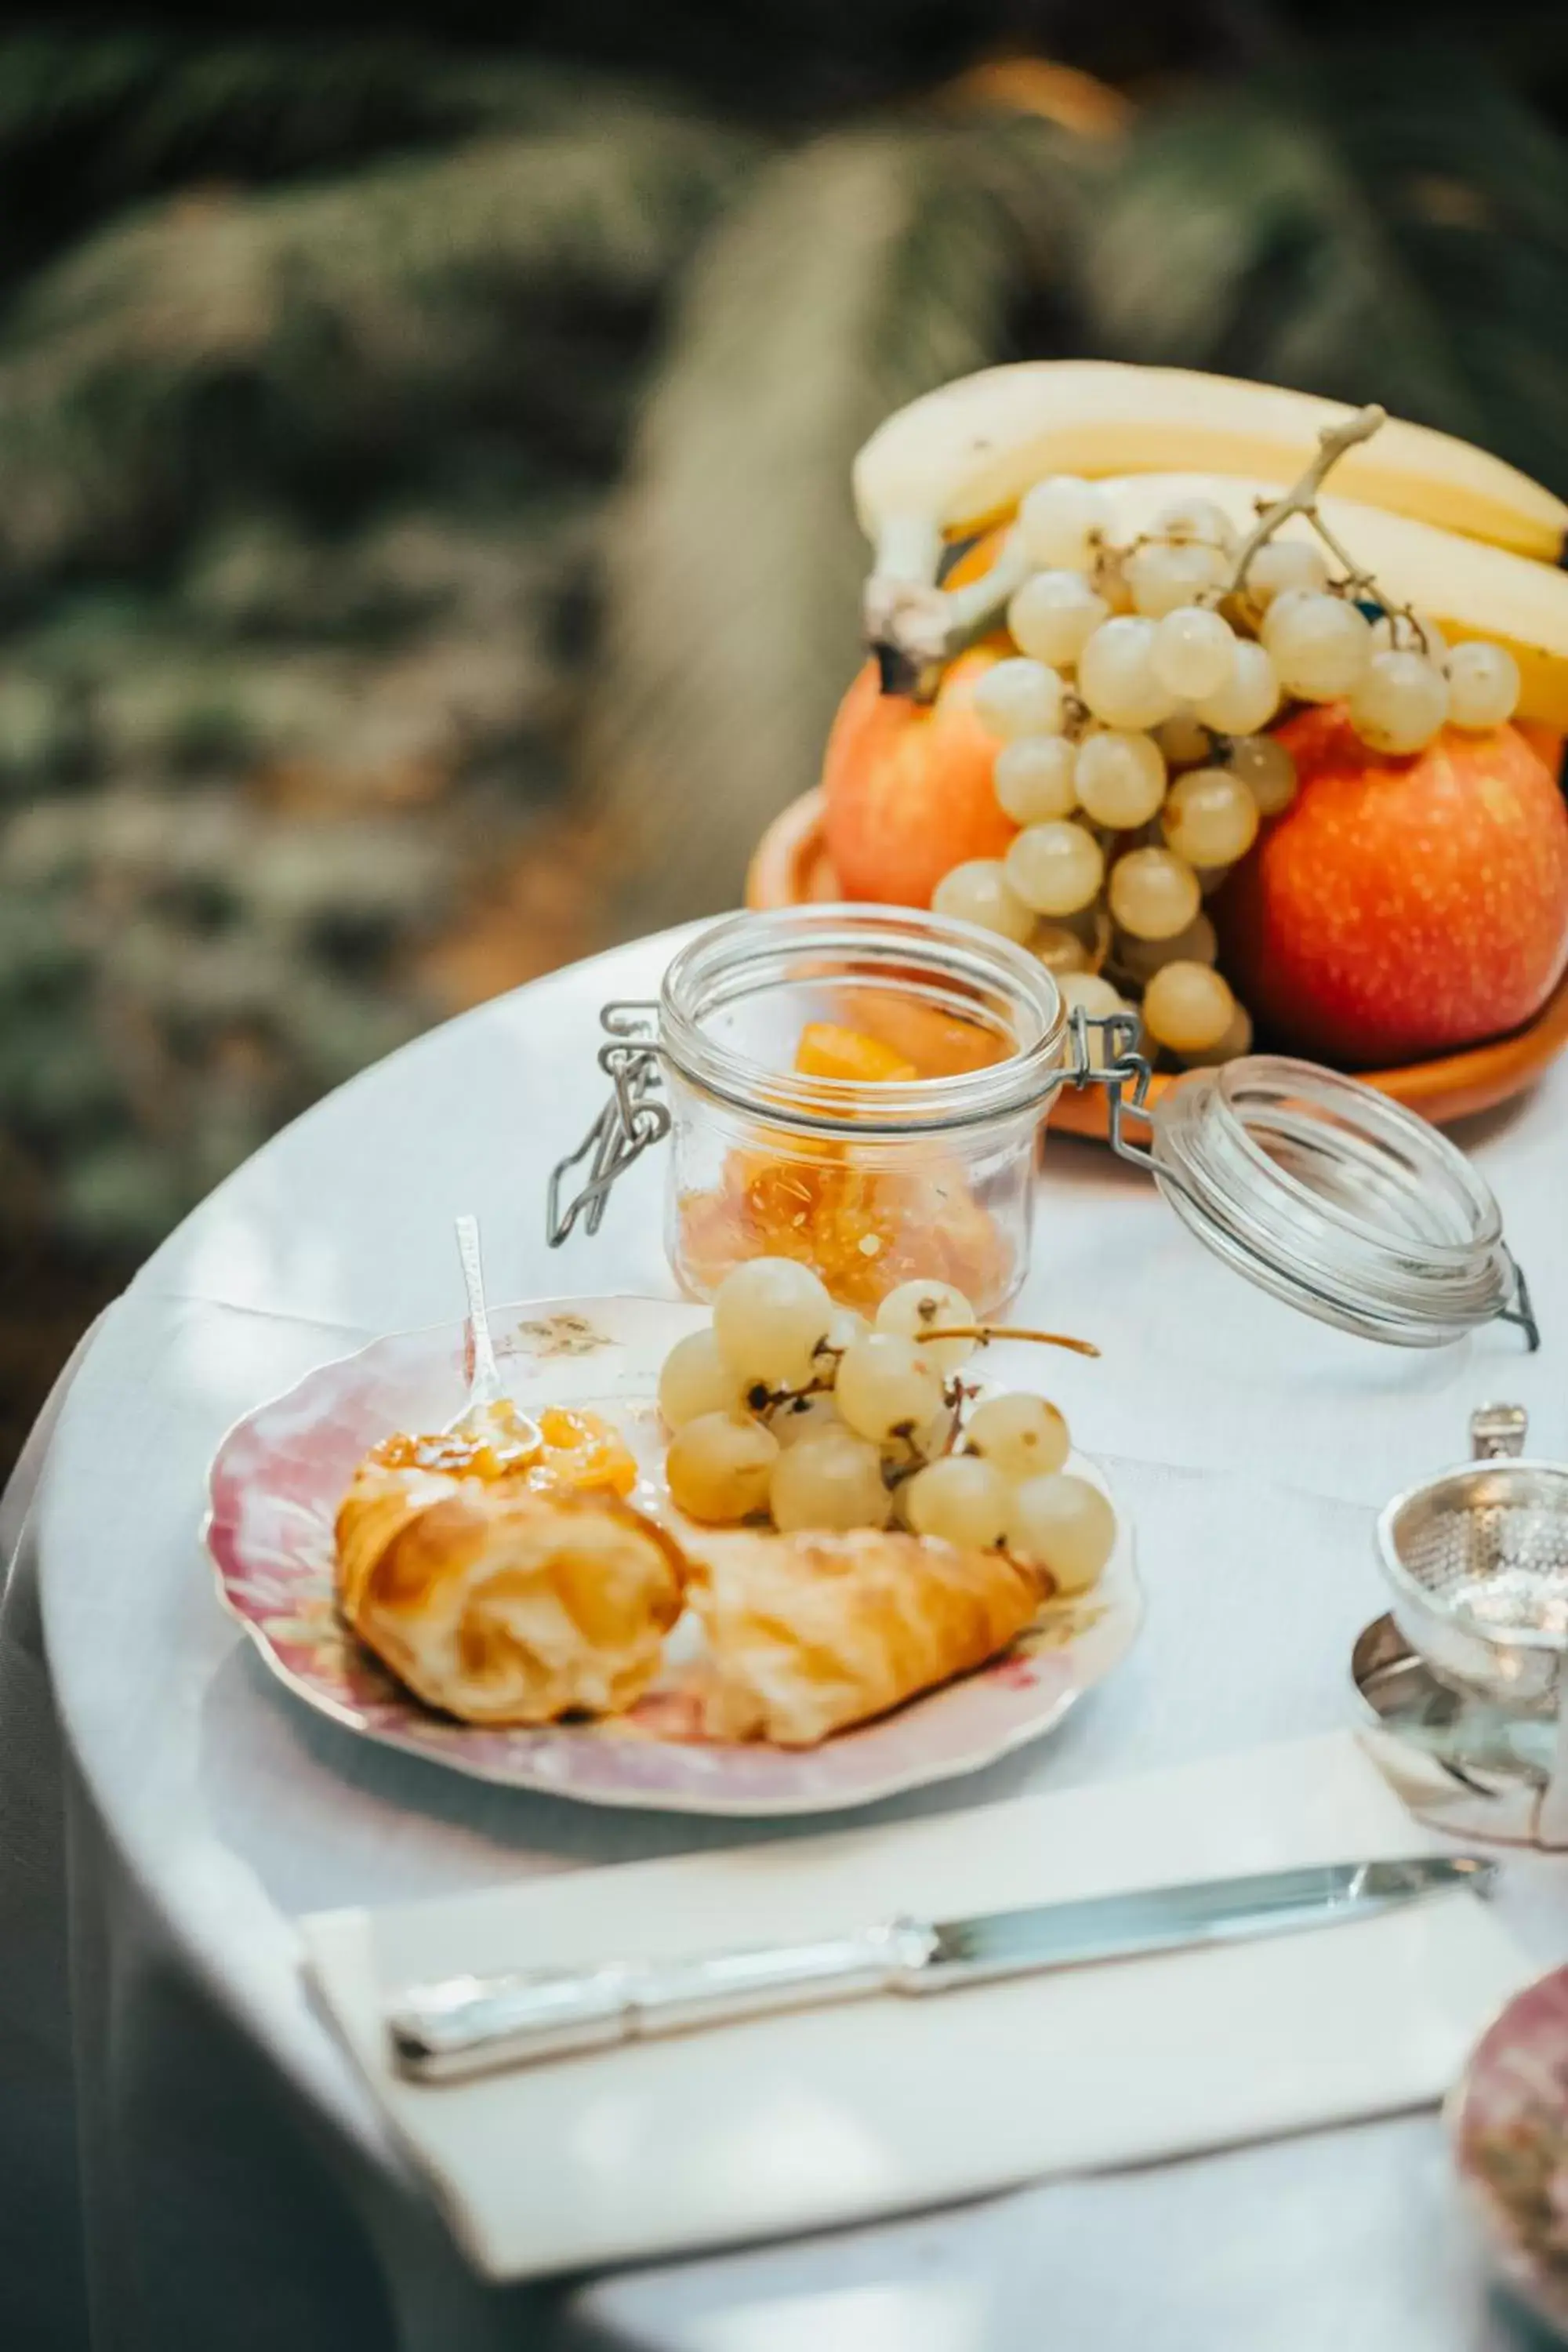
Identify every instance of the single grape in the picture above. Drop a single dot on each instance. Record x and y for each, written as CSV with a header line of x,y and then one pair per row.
x,y
1282,564
1210,818
1163,576
695,1379
961,1499
1059,950
1062,521
1116,674
1187,1006
804,1416
1120,778
1052,615
1018,698
1020,1436
1483,684
1249,697
916,1307
1193,652
887,1387
1033,779
1096,997
1236,1040
833,1480
1154,895
1268,770
979,892
1401,702
1142,958
1054,868
1185,519
718,1466
1066,1525
1321,645
1095,994
770,1316
1185,740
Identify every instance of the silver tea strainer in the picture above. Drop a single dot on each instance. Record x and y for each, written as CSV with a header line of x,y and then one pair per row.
x,y
1478,1563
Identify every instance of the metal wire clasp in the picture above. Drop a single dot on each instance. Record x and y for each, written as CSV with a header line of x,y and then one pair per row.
x,y
630,1121
1124,1072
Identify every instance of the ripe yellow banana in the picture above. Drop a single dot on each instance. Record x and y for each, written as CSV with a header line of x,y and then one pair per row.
x,y
1468,589
967,452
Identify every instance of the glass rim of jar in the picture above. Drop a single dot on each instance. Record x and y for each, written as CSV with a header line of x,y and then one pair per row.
x,y
748,951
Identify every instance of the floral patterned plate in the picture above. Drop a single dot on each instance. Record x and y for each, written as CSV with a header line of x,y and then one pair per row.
x,y
275,1487
1509,2119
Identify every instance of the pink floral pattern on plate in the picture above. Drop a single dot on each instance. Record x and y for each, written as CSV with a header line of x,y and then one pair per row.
x,y
275,1487
1509,2118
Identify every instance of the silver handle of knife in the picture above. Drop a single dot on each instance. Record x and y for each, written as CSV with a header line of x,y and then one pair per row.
x,y
468,2025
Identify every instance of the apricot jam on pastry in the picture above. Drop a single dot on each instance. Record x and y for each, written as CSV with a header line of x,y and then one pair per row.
x,y
565,1450
580,1451
500,1443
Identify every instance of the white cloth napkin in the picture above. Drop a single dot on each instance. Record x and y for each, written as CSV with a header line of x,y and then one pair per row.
x,y
838,2114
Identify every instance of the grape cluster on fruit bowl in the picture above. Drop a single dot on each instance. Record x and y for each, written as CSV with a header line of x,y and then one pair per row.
x,y
791,1410
1131,745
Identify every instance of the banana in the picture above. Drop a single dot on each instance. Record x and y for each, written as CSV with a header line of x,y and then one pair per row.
x,y
967,452
1468,589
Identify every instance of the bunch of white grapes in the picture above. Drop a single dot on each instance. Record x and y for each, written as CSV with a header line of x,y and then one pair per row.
x,y
1132,754
791,1408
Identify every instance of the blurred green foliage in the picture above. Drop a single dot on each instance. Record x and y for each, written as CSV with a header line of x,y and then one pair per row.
x,y
303,488
424,532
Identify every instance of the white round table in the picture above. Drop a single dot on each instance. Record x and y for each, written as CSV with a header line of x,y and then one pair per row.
x,y
240,2189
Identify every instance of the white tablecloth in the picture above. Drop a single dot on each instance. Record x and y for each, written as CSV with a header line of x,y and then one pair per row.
x,y
166,1814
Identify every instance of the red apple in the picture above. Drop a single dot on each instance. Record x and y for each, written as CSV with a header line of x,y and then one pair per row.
x,y
1401,907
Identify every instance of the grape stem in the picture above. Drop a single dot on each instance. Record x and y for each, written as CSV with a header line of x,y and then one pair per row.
x,y
983,1332
1413,622
1302,497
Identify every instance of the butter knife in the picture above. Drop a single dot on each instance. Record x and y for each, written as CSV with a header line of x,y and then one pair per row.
x,y
467,2025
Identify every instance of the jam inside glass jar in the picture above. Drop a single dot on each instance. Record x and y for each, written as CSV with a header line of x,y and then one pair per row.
x,y
786,1145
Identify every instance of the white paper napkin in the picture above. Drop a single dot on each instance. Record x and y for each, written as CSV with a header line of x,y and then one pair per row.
x,y
838,2114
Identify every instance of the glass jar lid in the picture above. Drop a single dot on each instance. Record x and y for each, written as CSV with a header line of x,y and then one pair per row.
x,y
1335,1199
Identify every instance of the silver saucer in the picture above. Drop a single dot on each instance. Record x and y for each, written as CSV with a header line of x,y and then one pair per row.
x,y
1460,1762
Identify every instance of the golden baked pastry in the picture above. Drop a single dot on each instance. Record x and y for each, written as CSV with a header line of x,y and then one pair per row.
x,y
501,1603
809,1633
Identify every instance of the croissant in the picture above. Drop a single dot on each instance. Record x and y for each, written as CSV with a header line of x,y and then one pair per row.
x,y
809,1633
501,1604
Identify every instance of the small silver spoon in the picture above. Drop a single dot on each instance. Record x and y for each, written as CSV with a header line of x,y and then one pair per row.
x,y
485,1382
487,1398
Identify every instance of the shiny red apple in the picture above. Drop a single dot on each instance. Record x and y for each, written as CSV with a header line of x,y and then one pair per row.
x,y
1401,907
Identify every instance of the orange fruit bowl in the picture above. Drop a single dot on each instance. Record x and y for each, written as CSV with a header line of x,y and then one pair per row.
x,y
791,867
